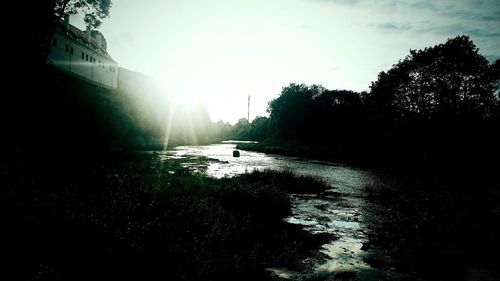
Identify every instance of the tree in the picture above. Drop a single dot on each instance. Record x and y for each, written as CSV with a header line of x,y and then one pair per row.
x,y
437,104
260,128
444,81
240,129
94,11
337,115
291,112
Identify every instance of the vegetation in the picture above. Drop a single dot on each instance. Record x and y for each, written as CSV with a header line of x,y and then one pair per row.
x,y
132,216
94,10
49,14
433,109
436,230
259,129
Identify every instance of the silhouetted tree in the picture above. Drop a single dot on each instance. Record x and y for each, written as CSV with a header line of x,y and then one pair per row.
x,y
290,111
337,111
240,129
436,105
444,81
259,128
433,108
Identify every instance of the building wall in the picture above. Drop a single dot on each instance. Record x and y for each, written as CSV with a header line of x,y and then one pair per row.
x,y
76,58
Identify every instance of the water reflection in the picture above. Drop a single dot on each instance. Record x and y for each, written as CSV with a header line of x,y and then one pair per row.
x,y
341,217
340,212
344,256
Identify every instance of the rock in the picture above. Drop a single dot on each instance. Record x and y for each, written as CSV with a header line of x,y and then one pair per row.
x,y
236,153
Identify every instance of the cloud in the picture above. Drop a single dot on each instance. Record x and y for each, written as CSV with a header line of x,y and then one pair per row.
x,y
463,9
454,29
425,5
478,18
394,26
483,33
342,2
491,17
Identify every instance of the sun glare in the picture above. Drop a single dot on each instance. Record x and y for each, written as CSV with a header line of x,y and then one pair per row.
x,y
184,112
185,101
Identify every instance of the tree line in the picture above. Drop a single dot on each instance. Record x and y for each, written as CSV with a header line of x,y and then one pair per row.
x,y
437,106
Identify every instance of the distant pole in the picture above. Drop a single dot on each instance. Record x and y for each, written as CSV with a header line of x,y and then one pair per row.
x,y
248,112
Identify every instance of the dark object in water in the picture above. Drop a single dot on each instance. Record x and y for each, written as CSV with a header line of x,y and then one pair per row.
x,y
236,153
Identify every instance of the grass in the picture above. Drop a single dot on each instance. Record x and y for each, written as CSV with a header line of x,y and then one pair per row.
x,y
438,231
131,216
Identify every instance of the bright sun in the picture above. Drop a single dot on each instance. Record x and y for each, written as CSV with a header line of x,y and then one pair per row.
x,y
184,114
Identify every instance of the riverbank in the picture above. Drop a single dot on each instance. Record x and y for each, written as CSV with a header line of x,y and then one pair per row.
x,y
433,227
457,170
132,216
296,149
436,231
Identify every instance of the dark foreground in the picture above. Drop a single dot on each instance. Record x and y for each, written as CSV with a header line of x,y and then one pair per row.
x,y
429,224
436,230
128,216
132,216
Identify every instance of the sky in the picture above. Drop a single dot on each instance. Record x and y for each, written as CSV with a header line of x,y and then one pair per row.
x,y
222,51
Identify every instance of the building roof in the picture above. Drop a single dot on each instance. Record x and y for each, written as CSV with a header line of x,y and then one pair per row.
x,y
80,37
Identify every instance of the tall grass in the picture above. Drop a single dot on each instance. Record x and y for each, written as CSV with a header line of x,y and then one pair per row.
x,y
132,216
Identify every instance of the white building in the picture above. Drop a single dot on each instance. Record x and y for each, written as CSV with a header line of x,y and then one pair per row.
x,y
83,54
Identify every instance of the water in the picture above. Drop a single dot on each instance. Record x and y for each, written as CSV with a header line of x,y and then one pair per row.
x,y
341,211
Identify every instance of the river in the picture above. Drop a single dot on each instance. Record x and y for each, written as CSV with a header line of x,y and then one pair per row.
x,y
341,211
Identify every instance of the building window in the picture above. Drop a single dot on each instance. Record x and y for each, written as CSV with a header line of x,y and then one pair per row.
x,y
87,57
83,56
71,50
67,48
54,42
